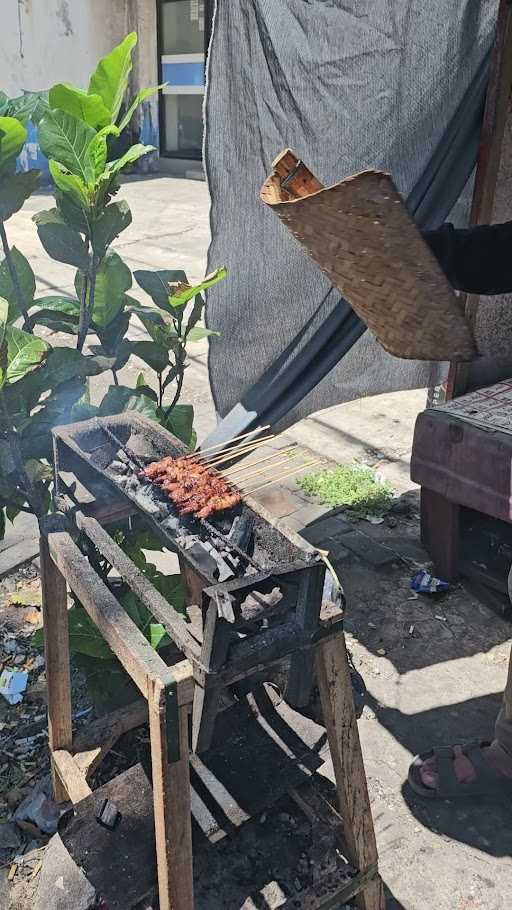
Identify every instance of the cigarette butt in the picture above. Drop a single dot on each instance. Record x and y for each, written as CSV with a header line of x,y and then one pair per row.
x,y
411,630
12,872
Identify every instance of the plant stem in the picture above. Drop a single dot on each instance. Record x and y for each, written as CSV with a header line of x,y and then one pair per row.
x,y
179,386
114,374
86,307
14,278
160,391
82,318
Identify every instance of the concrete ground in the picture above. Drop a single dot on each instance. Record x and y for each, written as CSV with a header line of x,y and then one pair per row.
x,y
434,669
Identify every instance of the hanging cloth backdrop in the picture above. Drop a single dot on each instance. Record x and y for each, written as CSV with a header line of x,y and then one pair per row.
x,y
349,85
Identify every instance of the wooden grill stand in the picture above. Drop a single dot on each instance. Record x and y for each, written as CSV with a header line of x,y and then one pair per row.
x,y
168,692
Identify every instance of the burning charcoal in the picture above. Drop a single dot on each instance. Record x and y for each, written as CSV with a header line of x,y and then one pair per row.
x,y
241,531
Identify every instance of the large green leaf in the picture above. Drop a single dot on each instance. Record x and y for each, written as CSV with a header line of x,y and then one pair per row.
x,y
98,148
12,139
24,352
156,284
180,422
15,190
155,356
64,364
113,279
157,328
114,219
132,107
121,398
68,306
67,139
37,470
58,408
110,78
60,240
198,333
26,281
69,184
29,106
83,106
130,157
112,334
183,295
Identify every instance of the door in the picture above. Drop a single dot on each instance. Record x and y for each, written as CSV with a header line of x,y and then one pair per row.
x,y
183,34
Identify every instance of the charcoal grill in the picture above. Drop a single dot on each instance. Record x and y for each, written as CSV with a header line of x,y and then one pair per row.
x,y
258,586
254,596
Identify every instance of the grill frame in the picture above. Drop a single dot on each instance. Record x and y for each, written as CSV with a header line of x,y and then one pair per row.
x,y
227,653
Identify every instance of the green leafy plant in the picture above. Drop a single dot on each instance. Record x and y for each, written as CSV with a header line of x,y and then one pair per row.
x,y
41,384
354,486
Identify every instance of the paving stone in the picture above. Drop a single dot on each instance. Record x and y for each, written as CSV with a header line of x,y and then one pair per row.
x,y
307,514
320,532
279,502
62,885
368,549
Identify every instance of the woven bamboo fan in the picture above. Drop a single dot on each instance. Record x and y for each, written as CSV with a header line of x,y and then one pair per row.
x,y
361,235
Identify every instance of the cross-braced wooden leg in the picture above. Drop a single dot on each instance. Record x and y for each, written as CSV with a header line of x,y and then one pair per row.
x,y
56,649
333,675
171,799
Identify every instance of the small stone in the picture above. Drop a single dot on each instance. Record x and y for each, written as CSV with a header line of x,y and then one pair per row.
x,y
381,652
371,625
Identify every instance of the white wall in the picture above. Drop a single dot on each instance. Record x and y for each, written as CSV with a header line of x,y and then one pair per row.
x,y
48,41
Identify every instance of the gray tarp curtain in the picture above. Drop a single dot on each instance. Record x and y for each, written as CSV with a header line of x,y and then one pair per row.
x,y
348,84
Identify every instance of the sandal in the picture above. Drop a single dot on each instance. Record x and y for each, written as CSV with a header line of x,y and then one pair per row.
x,y
486,783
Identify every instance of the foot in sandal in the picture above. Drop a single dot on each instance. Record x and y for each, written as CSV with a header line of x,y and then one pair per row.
x,y
475,769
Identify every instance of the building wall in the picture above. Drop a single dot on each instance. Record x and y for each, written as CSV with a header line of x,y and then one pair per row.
x,y
48,41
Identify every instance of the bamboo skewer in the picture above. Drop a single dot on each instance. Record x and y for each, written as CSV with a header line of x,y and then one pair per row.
x,y
225,445
260,471
240,450
244,448
253,464
309,464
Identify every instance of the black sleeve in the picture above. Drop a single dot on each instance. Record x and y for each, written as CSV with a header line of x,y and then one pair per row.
x,y
477,260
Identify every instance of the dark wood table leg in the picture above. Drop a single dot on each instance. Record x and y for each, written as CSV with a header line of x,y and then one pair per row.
x,y
440,533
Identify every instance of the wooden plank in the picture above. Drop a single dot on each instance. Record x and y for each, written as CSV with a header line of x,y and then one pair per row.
x,y
71,777
126,640
333,675
204,818
171,798
56,649
161,609
489,160
95,742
